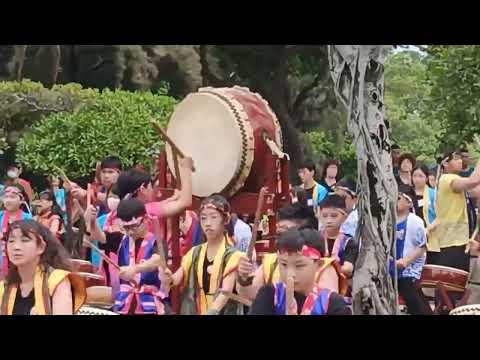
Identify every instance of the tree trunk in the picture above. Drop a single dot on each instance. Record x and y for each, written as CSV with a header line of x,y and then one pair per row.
x,y
276,96
358,74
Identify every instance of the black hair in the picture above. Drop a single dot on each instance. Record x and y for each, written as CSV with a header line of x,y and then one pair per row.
x,y
352,187
130,181
50,196
423,168
463,149
295,239
395,147
54,255
130,208
111,162
333,201
219,201
299,213
327,164
409,157
408,190
307,164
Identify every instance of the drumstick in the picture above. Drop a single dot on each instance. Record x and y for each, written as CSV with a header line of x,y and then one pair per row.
x,y
104,257
168,140
236,298
290,294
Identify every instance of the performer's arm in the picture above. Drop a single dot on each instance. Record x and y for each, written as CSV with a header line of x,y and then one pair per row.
x,y
62,299
150,265
245,268
95,232
414,255
173,206
171,280
55,226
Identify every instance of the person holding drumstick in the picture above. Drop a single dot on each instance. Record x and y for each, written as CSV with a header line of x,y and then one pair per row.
x,y
300,254
294,216
411,245
139,261
210,267
39,281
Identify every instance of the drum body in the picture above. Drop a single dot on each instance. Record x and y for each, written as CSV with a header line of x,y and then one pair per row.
x,y
100,296
223,130
452,279
83,266
466,310
91,279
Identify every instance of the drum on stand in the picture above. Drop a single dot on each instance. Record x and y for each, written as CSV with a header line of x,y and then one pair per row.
x,y
466,310
223,129
452,279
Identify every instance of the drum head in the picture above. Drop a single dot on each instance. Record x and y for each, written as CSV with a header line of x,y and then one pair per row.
x,y
206,127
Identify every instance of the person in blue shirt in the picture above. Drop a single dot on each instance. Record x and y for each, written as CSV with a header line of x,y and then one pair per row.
x,y
411,242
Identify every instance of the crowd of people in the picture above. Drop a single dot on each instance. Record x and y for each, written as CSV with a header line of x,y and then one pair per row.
x,y
317,241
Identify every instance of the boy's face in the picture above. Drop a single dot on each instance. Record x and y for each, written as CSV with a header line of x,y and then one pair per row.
x,y
11,202
303,270
147,193
306,175
332,218
403,204
108,176
455,165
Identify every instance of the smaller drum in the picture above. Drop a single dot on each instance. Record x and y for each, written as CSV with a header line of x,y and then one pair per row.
x,y
83,266
466,310
452,279
91,279
100,296
89,310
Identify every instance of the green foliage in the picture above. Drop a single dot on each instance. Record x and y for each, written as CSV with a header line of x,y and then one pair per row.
x,y
407,94
24,103
323,148
116,124
454,76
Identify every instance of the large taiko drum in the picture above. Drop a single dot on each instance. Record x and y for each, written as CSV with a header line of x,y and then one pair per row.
x,y
100,297
223,130
452,279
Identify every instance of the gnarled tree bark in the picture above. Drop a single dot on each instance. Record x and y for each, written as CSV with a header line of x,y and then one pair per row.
x,y
358,74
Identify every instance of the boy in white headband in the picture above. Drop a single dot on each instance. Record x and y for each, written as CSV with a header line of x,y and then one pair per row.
x,y
411,242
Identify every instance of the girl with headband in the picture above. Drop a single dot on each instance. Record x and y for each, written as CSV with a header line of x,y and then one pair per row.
x,y
13,198
39,281
209,267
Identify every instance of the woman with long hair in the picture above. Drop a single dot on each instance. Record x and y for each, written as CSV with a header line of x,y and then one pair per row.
x,y
209,267
39,281
331,174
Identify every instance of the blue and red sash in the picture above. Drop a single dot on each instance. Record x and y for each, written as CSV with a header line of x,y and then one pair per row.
x,y
316,303
147,292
